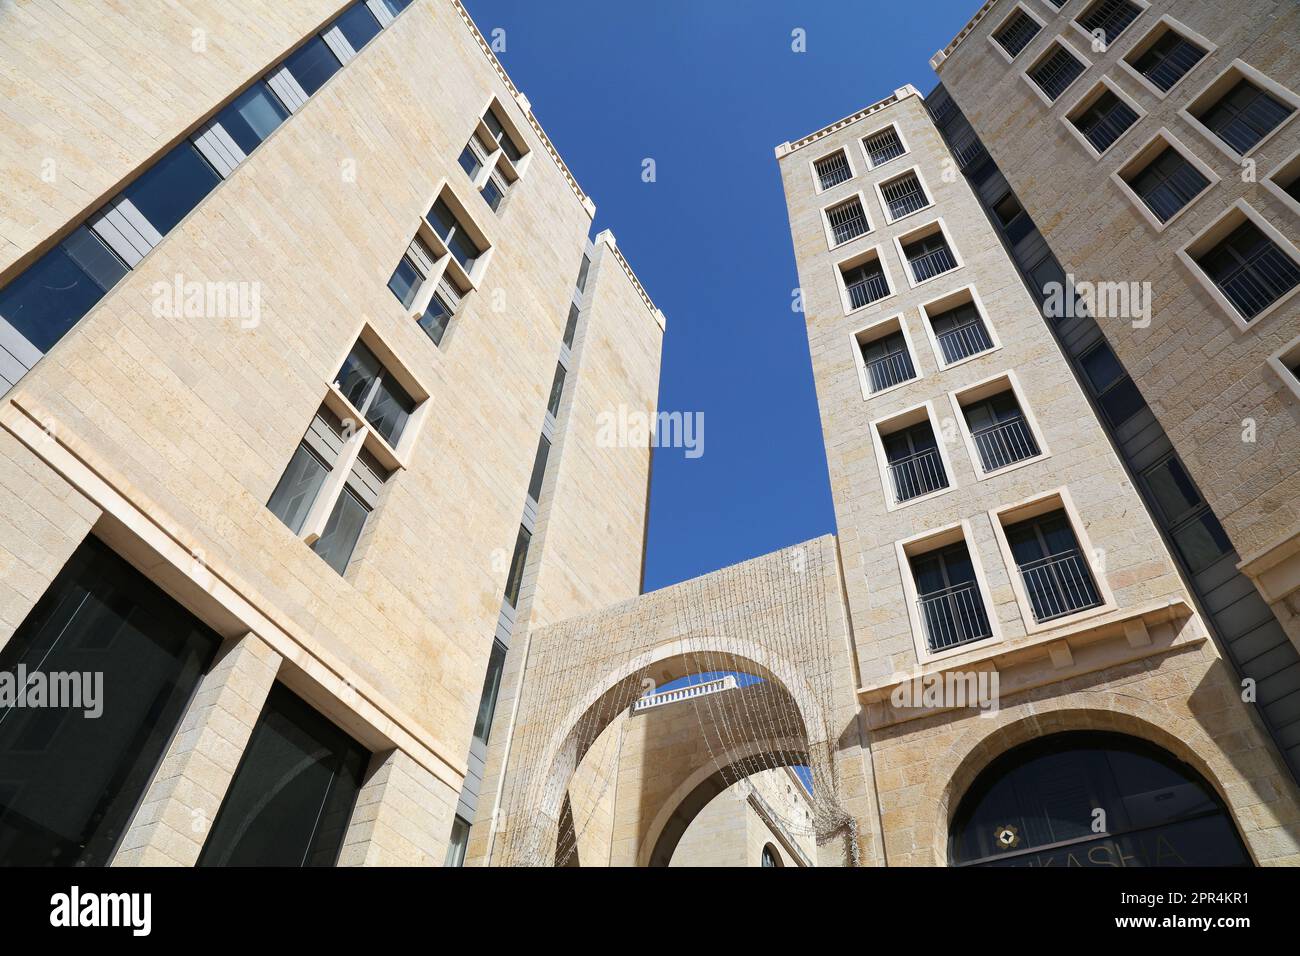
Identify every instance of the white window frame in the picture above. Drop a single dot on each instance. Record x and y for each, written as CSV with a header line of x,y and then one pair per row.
x,y
1083,103
1223,81
1148,152
931,540
920,232
866,154
1032,507
817,180
1150,38
926,412
901,174
951,299
1270,182
861,196
1216,231
992,38
1088,38
872,332
871,252
1280,362
985,388
1070,48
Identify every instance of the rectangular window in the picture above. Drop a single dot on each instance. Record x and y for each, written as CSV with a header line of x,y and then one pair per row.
x,y
904,196
458,843
471,159
502,137
372,391
291,798
847,220
915,466
1105,121
539,469
1016,33
516,576
1244,115
557,390
929,256
1000,431
405,282
1056,71
949,602
1250,269
487,702
883,146
865,284
343,528
1110,384
888,361
437,316
358,25
166,191
252,117
960,333
833,169
571,326
1167,183
298,488
452,232
1168,60
494,191
582,273
1052,568
312,64
1111,17
1196,532
70,784
1015,222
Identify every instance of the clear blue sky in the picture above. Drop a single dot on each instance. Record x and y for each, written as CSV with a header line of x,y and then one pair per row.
x,y
707,88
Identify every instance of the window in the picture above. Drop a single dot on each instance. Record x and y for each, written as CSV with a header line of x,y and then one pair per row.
x,y
172,186
1167,60
557,390
358,25
494,190
471,159
298,488
883,146
949,603
1183,513
833,169
915,466
887,360
903,196
252,117
487,702
515,578
1013,219
1167,183
1250,269
454,235
414,287
865,283
582,273
770,857
1055,574
929,256
69,785
406,280
1014,35
458,843
1110,384
312,64
291,799
1056,71
539,469
571,326
502,138
48,298
1000,431
1104,121
959,332
373,391
847,221
1243,115
1110,17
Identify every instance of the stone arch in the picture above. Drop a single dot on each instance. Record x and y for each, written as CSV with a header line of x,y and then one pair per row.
x,y
990,737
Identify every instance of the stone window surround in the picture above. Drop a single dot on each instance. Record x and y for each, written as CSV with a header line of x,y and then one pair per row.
x,y
866,255
929,540
446,262
1032,507
1229,219
1224,80
925,230
986,388
496,160
1142,156
905,418
956,297
1149,39
1018,7
1282,361
817,180
900,174
1069,48
1270,182
866,155
831,244
870,333
1104,84
1145,5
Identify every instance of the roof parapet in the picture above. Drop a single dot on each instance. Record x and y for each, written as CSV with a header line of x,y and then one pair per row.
x,y
606,236
897,96
938,59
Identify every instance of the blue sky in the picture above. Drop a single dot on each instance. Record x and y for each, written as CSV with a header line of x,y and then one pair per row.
x,y
707,89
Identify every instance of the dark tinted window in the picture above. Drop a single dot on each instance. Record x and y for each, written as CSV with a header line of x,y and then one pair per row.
x,y
1245,115
358,25
487,703
312,64
516,576
435,319
571,326
1118,397
405,282
253,116
1250,269
539,469
557,389
298,487
1168,60
291,799
342,531
1168,183
171,187
69,783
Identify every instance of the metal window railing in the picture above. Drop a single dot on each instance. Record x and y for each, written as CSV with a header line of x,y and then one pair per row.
x,y
889,370
1166,192
1109,16
1059,584
1103,129
1015,36
867,290
933,263
1259,281
917,474
1164,71
883,146
1005,443
963,341
1056,73
833,170
904,196
953,616
847,221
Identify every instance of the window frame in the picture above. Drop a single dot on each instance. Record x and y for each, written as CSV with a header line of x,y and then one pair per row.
x,y
1089,99
936,226
1002,25
869,254
1270,181
951,300
818,189
874,332
866,153
1142,5
879,186
899,420
829,231
986,388
1164,25
1218,86
1038,61
1146,154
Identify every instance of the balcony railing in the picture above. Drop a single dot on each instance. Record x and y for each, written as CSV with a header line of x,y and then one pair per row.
x,y
1260,281
964,341
932,264
1005,443
1059,584
868,290
888,371
953,616
917,474
904,198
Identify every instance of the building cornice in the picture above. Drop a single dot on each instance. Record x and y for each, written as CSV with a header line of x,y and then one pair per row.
x,y
897,96
937,60
607,238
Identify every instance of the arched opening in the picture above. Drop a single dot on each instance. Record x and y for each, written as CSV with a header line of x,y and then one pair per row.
x,y
1092,798
771,857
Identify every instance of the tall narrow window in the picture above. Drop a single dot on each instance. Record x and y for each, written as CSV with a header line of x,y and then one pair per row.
x,y
582,273
949,603
1052,568
515,577
458,843
571,326
487,702
453,233
539,469
291,798
71,778
557,390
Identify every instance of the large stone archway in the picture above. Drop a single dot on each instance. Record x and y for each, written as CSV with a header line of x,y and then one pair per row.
x,y
778,618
